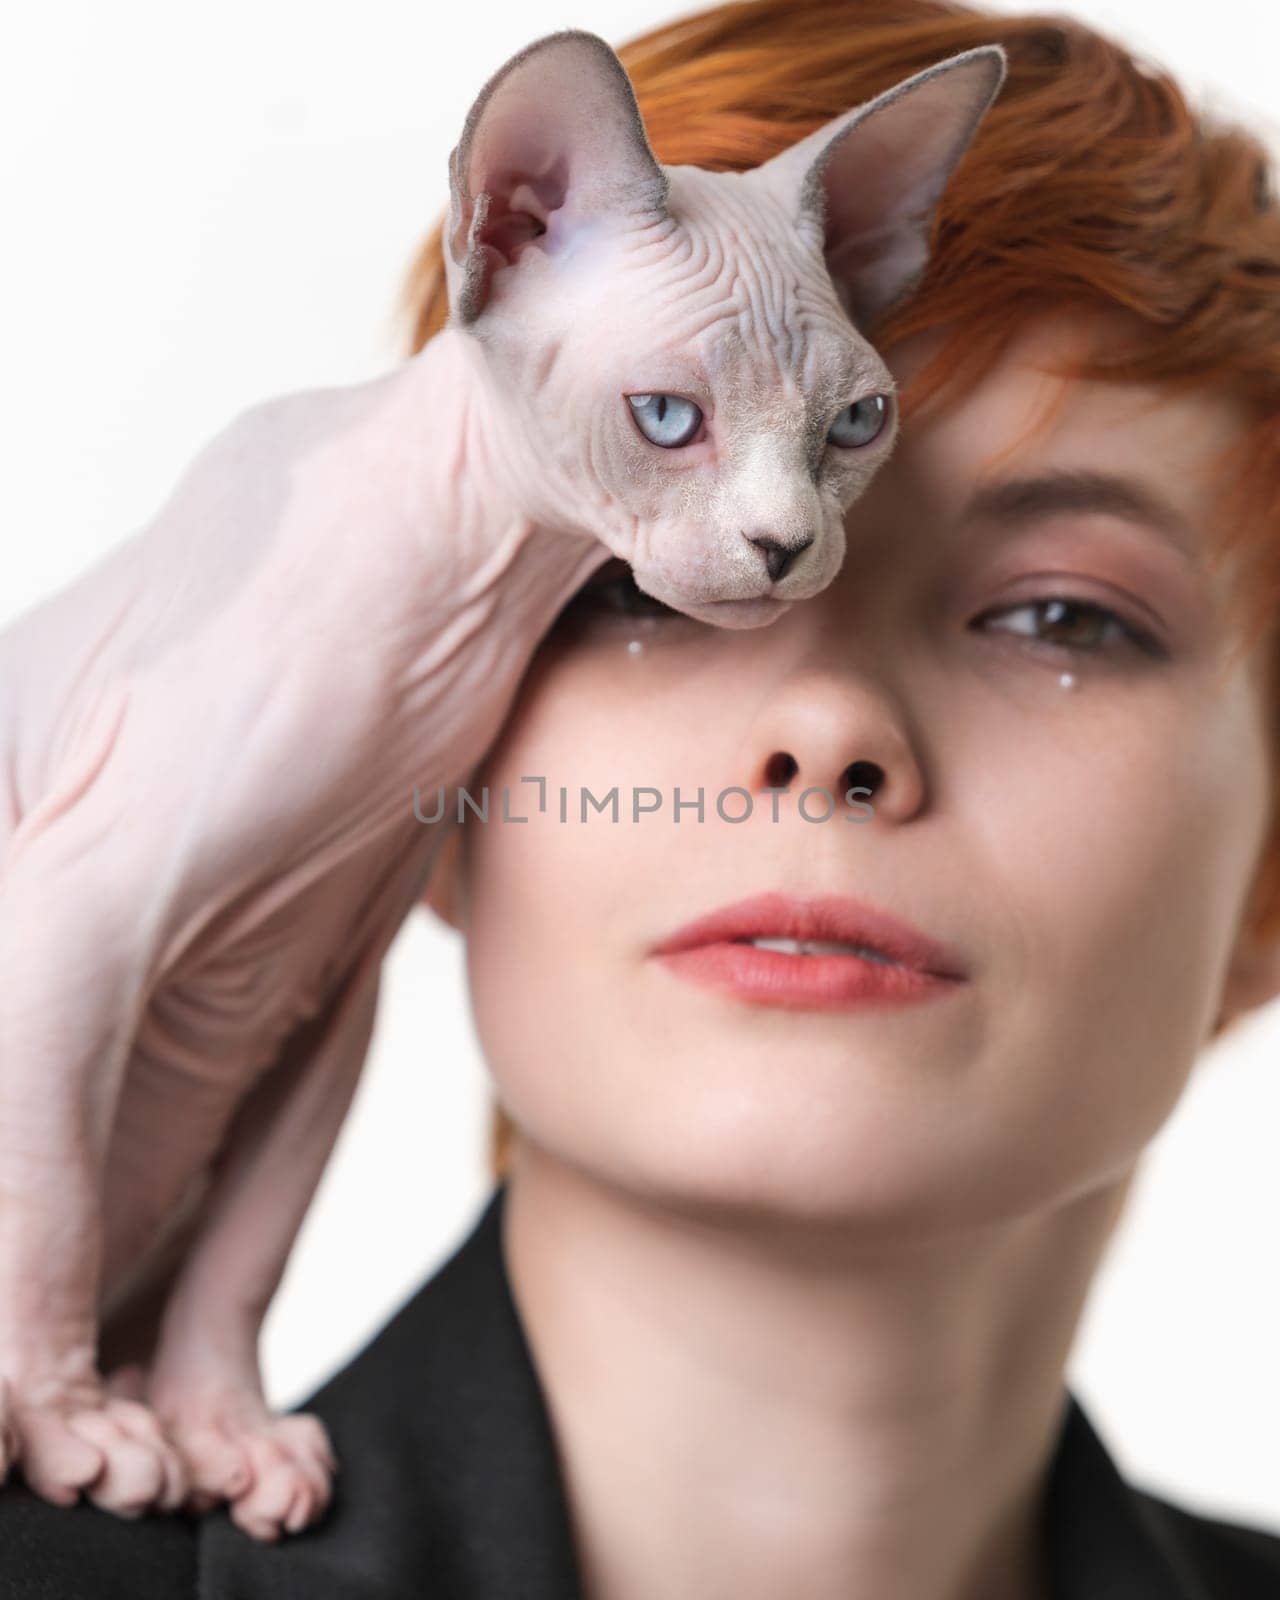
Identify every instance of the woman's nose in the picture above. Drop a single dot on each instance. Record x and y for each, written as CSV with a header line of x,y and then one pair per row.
x,y
834,731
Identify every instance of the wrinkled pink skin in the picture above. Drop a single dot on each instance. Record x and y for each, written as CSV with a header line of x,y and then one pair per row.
x,y
209,744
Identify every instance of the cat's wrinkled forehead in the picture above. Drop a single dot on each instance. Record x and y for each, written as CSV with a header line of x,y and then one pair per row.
x,y
730,302
738,239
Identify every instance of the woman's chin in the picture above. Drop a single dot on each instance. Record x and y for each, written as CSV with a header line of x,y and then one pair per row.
x,y
752,1164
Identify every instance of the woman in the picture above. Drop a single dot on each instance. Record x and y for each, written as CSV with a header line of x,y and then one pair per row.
x,y
775,1290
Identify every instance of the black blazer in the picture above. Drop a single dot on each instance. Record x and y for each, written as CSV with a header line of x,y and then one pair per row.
x,y
450,1489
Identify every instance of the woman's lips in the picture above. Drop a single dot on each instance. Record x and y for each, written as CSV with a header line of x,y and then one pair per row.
x,y
714,950
769,977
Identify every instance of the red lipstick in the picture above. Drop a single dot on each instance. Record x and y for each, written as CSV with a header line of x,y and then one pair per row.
x,y
898,963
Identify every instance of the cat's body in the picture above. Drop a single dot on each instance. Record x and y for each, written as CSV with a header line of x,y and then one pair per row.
x,y
210,743
281,839
308,596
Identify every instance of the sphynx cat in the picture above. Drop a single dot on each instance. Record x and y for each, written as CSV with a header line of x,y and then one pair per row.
x,y
210,742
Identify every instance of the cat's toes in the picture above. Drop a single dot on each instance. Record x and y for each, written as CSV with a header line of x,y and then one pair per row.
x,y
142,1466
290,1484
293,1463
70,1436
56,1461
275,1471
217,1462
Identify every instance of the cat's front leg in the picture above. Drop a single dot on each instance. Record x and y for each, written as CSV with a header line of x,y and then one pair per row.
x,y
68,977
205,1382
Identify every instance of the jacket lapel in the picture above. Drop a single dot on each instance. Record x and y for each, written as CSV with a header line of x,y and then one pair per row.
x,y
453,1489
1104,1538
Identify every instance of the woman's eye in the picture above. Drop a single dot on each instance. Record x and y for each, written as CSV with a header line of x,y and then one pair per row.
x,y
614,591
861,422
668,420
1081,626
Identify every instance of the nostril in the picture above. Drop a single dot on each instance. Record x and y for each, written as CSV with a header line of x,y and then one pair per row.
x,y
777,556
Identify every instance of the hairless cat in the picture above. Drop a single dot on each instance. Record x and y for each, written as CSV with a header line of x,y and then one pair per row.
x,y
209,742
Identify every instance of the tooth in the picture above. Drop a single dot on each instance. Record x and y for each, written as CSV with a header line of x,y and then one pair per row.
x,y
821,947
835,948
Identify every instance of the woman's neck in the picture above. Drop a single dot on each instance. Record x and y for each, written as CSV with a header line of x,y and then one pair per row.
x,y
759,1405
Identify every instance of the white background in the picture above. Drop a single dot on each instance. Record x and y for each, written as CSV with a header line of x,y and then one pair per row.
x,y
206,206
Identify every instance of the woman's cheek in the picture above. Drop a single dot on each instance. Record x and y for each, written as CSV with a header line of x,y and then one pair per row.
x,y
1135,906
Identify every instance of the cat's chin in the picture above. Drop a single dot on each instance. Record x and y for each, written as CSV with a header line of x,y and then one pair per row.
x,y
758,613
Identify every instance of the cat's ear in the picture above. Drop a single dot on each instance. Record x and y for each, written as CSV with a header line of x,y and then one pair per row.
x,y
553,146
870,179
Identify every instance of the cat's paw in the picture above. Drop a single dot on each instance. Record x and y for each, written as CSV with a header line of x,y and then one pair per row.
x,y
276,1471
73,1436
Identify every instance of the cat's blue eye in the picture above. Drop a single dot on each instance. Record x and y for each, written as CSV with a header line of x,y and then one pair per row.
x,y
861,422
668,420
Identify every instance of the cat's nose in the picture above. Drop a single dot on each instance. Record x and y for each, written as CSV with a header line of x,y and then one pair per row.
x,y
778,556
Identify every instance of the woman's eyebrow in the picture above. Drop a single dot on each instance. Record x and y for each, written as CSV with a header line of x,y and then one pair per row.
x,y
1007,501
